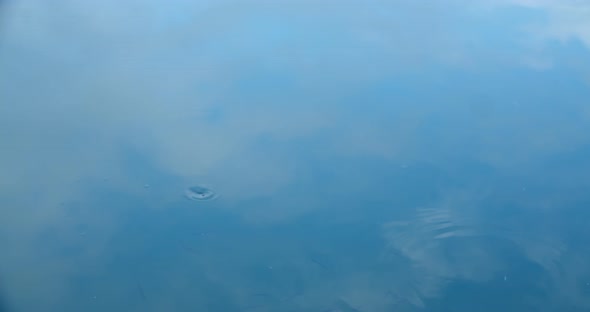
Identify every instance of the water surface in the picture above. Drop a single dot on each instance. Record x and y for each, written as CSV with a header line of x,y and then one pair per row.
x,y
368,156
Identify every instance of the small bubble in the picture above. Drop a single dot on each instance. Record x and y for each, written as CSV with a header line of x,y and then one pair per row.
x,y
146,186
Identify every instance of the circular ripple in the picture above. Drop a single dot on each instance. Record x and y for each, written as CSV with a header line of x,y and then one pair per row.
x,y
199,193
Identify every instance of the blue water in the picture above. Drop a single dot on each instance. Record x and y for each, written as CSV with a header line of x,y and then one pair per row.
x,y
360,156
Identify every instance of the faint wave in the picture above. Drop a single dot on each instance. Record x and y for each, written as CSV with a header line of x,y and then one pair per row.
x,y
433,233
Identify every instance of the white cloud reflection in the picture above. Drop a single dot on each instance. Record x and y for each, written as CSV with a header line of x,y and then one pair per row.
x,y
238,96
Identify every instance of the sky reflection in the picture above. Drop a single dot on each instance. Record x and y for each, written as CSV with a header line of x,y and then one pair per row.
x,y
370,156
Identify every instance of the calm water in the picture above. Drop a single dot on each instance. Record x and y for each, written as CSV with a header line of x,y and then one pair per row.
x,y
348,155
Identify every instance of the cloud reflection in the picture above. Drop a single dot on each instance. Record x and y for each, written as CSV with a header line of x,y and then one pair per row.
x,y
261,101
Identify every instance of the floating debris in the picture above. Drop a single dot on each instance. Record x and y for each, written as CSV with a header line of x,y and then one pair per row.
x,y
199,193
